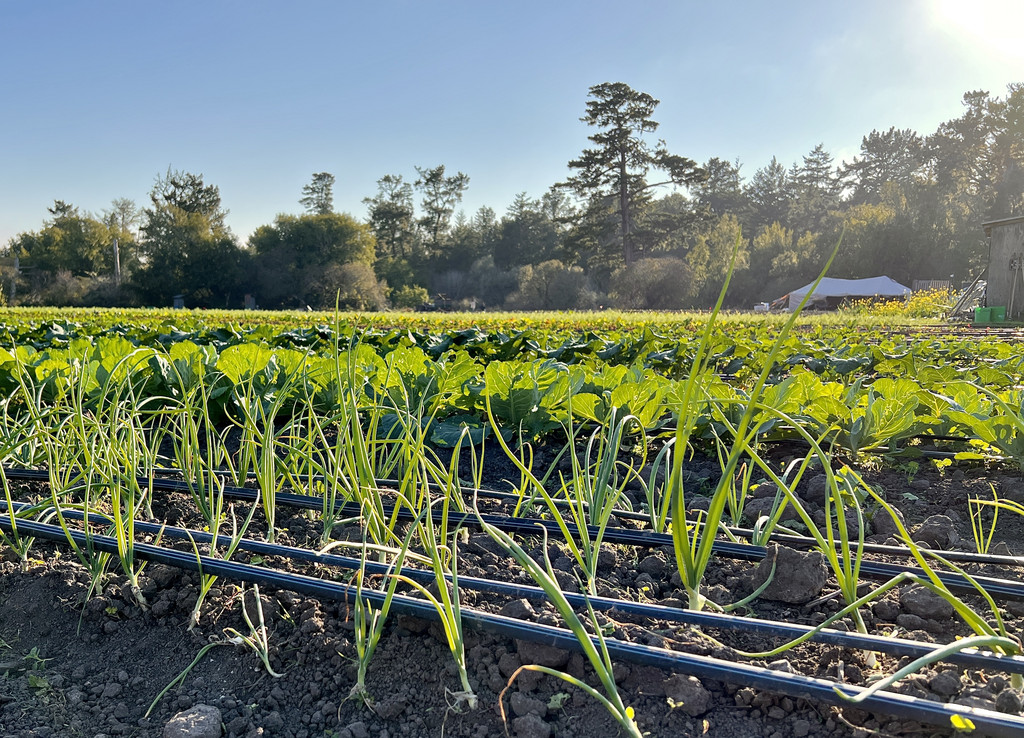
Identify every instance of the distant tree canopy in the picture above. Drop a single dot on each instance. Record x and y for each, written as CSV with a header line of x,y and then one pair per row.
x,y
441,194
186,247
632,225
69,241
292,255
616,170
318,195
73,260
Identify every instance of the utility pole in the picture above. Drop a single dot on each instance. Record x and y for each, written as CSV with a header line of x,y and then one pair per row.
x,y
14,280
117,265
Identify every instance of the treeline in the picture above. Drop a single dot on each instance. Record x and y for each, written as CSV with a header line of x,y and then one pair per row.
x,y
633,226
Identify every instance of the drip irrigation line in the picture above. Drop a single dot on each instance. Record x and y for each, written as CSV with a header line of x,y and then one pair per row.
x,y
798,686
1003,589
966,557
898,647
998,588
794,541
791,540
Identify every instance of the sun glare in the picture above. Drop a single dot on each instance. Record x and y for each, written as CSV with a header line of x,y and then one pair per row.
x,y
988,28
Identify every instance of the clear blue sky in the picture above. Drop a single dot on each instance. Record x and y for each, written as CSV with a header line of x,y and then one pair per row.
x,y
98,98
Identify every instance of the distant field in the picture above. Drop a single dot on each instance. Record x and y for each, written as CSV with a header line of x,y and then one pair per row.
x,y
597,320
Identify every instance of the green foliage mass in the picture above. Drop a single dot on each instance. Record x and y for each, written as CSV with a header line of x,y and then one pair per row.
x,y
632,226
877,392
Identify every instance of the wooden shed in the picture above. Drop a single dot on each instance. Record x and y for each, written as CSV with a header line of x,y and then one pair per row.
x,y
1006,265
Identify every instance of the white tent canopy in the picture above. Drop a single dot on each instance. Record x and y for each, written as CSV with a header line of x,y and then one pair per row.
x,y
831,291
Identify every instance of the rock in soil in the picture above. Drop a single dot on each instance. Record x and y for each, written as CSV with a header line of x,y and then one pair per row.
x,y
937,531
202,721
882,523
924,603
531,726
799,576
688,694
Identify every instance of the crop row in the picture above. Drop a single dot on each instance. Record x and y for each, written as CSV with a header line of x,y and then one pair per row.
x,y
875,398
103,416
101,427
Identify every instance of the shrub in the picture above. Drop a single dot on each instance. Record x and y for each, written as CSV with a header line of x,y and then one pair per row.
x,y
354,285
409,297
553,286
652,284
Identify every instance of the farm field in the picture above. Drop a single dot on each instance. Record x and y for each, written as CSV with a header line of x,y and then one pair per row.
x,y
370,525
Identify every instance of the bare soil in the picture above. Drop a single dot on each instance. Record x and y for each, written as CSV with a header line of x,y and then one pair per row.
x,y
76,667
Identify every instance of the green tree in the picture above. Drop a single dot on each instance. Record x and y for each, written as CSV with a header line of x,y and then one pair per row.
x,y
897,155
779,261
796,259
409,297
186,248
551,285
527,234
722,192
616,169
770,192
440,196
976,165
816,189
350,286
652,284
1008,150
668,222
318,196
469,239
490,284
122,219
69,241
292,255
708,257
392,217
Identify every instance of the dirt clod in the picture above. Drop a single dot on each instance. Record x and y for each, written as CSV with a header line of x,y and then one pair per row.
x,y
799,576
202,721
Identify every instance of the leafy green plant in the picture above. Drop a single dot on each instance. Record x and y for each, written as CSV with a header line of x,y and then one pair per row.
x,y
999,422
693,542
880,416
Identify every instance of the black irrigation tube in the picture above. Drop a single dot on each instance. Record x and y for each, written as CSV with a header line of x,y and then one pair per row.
x,y
798,686
792,540
999,588
770,628
797,541
966,557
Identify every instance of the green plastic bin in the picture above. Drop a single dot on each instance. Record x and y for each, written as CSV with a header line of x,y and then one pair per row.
x,y
998,314
982,315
